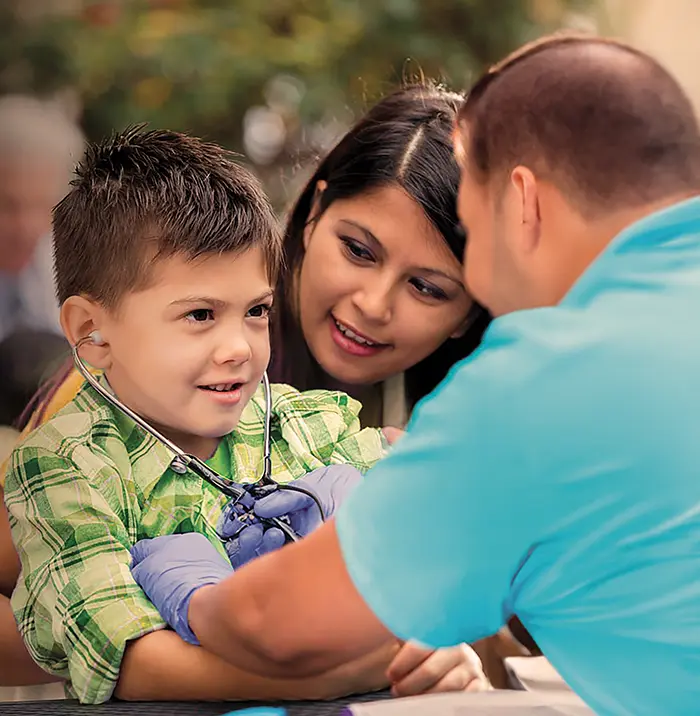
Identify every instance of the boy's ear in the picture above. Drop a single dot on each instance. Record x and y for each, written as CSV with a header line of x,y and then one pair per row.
x,y
321,185
80,316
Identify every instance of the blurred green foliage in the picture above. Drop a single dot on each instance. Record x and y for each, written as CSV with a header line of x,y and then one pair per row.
x,y
199,65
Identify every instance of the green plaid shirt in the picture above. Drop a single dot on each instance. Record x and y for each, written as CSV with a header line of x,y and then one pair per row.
x,y
84,487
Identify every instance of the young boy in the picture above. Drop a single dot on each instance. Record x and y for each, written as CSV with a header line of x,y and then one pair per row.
x,y
169,250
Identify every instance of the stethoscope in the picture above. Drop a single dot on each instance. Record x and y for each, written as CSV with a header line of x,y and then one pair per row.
x,y
243,497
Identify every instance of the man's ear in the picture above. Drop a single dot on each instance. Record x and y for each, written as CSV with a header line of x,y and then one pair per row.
x,y
311,219
80,316
526,190
466,324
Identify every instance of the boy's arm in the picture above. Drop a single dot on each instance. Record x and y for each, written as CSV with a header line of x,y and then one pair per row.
x,y
9,561
16,666
161,666
76,603
330,425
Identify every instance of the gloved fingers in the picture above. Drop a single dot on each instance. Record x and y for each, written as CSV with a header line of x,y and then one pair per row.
x,y
250,538
272,540
245,546
282,502
229,522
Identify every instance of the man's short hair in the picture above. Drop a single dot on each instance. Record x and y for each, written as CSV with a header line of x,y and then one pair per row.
x,y
145,195
604,121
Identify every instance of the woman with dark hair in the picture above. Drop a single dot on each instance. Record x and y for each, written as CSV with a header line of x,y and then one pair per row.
x,y
372,300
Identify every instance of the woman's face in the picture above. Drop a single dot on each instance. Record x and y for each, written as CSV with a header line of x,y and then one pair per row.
x,y
379,289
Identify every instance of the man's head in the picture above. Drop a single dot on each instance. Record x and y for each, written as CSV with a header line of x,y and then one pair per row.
x,y
38,148
169,249
561,146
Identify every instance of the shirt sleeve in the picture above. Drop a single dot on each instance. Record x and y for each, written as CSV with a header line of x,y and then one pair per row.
x,y
434,535
76,603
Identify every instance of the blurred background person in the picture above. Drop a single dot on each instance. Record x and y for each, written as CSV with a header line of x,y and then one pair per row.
x,y
38,148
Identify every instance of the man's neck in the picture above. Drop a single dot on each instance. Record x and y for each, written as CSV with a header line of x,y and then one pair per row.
x,y
589,238
612,225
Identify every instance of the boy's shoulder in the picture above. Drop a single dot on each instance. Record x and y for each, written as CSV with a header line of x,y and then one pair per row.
x,y
75,424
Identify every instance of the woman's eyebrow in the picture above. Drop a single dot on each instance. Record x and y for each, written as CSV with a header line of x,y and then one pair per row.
x,y
363,229
422,270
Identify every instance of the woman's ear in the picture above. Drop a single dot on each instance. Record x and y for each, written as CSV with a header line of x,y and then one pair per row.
x,y
320,187
80,316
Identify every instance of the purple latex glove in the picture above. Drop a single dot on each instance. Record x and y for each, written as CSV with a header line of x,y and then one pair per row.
x,y
331,485
171,569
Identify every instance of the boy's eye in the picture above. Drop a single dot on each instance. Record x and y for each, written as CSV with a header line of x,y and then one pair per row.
x,y
199,315
262,310
356,250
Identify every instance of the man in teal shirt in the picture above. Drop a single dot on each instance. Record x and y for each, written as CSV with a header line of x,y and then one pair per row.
x,y
554,474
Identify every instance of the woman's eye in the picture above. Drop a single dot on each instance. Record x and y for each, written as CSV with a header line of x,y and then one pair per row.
x,y
262,310
428,290
200,315
356,249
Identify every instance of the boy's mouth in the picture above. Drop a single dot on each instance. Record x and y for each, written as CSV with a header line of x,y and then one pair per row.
x,y
221,387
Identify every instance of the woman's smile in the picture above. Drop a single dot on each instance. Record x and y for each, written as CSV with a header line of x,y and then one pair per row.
x,y
350,340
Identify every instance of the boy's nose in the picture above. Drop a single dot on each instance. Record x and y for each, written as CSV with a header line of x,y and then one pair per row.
x,y
235,348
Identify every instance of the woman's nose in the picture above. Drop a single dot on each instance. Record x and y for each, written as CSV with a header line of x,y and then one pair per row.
x,y
374,301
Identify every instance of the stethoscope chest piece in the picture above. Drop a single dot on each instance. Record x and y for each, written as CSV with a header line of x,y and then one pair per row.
x,y
178,466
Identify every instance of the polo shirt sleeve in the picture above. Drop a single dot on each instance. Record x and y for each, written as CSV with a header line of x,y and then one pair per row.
x,y
76,603
435,534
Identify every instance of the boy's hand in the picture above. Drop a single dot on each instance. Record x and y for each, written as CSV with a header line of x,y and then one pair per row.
x,y
416,670
171,569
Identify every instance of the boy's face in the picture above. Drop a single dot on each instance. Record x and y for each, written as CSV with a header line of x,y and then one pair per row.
x,y
188,352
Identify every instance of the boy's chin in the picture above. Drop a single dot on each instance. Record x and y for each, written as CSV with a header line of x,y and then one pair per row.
x,y
217,432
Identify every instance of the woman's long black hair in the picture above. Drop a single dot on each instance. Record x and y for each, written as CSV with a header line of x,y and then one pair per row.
x,y
404,140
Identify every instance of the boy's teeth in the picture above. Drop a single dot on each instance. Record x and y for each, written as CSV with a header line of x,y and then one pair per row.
x,y
222,388
351,334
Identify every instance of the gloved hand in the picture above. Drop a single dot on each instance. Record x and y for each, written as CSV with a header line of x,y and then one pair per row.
x,y
331,485
171,569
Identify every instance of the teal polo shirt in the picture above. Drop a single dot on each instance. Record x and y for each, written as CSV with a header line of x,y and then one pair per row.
x,y
555,474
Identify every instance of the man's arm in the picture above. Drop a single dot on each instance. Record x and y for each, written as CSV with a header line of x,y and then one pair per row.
x,y
161,666
290,617
16,666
